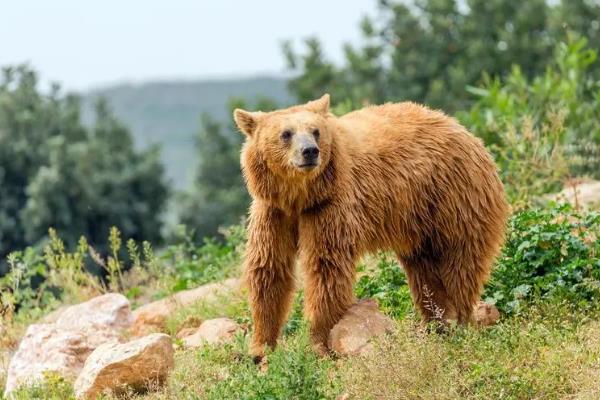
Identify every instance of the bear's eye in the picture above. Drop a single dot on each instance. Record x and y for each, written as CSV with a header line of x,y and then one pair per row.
x,y
316,134
286,135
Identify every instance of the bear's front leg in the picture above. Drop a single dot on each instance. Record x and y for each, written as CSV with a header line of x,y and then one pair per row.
x,y
269,272
329,269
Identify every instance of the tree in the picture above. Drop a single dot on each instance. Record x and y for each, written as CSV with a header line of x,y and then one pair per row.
x,y
218,197
431,50
54,172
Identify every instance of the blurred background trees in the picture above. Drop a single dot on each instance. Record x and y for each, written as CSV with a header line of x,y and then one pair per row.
x,y
54,172
218,196
430,50
523,76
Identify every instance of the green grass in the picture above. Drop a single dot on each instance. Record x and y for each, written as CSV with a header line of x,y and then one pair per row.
x,y
546,353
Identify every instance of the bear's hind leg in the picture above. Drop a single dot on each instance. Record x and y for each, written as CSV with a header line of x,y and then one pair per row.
x,y
464,277
428,291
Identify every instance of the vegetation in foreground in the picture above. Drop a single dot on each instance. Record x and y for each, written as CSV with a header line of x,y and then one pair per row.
x,y
546,283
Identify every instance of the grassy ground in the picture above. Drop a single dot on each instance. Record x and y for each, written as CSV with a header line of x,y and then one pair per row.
x,y
550,351
546,346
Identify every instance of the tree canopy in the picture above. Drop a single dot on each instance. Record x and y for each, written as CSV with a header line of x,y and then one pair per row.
x,y
55,172
430,50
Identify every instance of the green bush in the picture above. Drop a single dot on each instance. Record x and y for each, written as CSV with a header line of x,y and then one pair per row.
x,y
386,283
549,253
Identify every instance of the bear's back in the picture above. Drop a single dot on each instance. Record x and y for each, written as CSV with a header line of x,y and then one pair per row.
x,y
407,126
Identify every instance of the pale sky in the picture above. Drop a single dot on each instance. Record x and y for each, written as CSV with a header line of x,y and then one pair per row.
x,y
84,44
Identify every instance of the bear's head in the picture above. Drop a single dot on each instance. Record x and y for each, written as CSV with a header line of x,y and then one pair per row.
x,y
293,143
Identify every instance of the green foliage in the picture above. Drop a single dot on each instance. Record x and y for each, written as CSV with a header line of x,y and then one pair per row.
x,y
18,287
567,86
430,50
549,253
54,172
218,197
296,318
194,265
294,372
37,283
545,130
53,387
386,283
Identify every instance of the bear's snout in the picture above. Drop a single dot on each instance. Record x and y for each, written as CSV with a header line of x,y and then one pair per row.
x,y
310,154
307,152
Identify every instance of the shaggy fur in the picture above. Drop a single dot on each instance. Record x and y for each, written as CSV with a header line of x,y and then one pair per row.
x,y
397,177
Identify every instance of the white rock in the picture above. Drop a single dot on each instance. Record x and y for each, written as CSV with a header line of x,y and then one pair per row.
x,y
112,310
116,368
213,331
361,323
48,347
63,345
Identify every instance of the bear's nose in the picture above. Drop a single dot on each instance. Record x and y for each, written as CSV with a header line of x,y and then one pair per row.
x,y
310,153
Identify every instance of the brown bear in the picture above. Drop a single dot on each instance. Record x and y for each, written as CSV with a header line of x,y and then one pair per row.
x,y
328,189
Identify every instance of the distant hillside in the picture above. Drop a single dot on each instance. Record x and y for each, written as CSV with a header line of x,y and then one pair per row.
x,y
168,112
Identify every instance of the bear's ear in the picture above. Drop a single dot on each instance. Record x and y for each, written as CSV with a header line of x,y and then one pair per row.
x,y
246,120
320,106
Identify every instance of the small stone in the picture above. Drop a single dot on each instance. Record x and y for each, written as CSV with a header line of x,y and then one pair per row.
x,y
485,314
361,323
213,332
184,332
152,316
139,365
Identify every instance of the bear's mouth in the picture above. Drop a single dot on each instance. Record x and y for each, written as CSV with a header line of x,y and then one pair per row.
x,y
307,166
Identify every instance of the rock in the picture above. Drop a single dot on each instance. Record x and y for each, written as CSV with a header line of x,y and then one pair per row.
x,y
63,345
485,314
51,317
362,322
139,365
151,317
49,347
184,332
580,194
213,331
111,310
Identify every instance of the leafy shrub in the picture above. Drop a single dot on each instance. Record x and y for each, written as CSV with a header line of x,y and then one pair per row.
x,y
386,283
543,130
36,282
549,253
